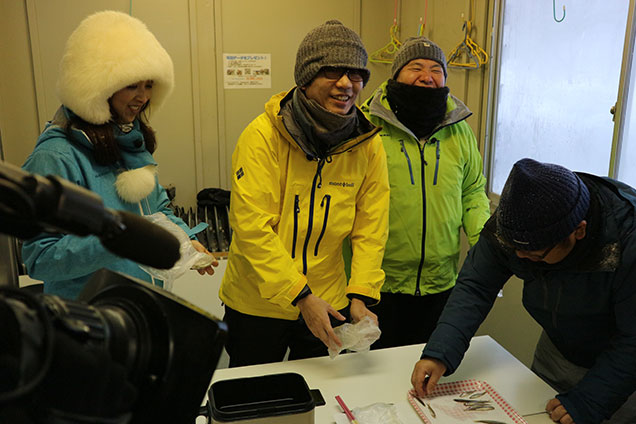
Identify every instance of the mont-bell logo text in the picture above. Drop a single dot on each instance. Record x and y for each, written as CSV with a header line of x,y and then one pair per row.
x,y
341,183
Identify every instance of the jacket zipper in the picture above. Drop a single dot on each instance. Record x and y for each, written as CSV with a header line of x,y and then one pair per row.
x,y
310,221
296,213
422,176
326,198
408,161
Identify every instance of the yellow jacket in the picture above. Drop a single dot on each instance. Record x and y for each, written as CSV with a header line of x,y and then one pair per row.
x,y
290,216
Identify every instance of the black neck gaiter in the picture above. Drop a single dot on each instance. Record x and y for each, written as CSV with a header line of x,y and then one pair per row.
x,y
420,109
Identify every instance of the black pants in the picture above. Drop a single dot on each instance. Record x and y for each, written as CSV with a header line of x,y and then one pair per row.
x,y
259,340
405,319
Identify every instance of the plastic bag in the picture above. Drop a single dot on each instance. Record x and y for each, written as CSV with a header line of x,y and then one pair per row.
x,y
377,413
356,337
190,257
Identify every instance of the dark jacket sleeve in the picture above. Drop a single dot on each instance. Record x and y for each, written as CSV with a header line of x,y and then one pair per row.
x,y
483,274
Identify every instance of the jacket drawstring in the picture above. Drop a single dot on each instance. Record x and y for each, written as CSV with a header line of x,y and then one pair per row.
x,y
321,163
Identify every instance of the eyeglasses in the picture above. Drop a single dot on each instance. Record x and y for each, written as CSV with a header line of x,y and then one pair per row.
x,y
334,73
540,257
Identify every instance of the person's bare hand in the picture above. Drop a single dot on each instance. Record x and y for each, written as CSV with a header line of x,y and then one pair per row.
x,y
200,248
359,310
315,312
426,374
557,412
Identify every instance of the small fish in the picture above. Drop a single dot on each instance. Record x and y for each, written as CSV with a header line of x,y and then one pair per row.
x,y
480,407
476,395
467,393
433,414
471,401
490,422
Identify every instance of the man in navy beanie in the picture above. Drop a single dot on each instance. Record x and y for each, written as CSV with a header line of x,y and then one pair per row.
x,y
571,238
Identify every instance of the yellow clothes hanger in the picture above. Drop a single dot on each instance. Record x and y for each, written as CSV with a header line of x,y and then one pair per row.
x,y
468,54
386,53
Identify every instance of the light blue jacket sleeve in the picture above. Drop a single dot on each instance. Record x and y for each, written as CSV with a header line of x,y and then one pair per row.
x,y
53,257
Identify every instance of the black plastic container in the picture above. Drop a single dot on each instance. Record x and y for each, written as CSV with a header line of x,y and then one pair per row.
x,y
275,398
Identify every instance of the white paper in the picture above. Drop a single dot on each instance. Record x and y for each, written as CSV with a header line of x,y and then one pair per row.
x,y
243,70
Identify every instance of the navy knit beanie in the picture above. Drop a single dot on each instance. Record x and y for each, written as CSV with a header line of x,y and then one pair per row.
x,y
540,205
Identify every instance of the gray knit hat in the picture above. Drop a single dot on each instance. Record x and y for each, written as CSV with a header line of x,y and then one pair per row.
x,y
540,205
417,48
330,44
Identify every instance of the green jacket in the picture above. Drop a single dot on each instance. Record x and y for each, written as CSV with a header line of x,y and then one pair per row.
x,y
437,188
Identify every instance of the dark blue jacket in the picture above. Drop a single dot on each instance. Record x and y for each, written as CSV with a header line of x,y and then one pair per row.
x,y
586,303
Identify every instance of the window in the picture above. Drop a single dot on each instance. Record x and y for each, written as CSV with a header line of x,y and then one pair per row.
x,y
556,85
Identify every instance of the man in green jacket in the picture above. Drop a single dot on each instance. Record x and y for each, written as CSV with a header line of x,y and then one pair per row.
x,y
437,188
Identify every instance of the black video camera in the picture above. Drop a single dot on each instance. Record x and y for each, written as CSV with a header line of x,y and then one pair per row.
x,y
126,352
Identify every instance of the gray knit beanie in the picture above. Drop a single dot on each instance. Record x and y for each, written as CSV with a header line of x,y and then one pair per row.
x,y
417,48
330,44
540,205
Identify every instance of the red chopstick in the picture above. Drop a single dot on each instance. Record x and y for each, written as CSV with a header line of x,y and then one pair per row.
x,y
346,410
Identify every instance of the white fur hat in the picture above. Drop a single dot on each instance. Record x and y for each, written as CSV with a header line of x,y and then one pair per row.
x,y
108,51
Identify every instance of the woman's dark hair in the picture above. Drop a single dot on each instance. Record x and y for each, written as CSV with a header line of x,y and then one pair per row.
x,y
106,148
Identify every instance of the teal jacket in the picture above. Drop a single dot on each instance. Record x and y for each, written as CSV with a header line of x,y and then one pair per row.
x,y
66,262
437,188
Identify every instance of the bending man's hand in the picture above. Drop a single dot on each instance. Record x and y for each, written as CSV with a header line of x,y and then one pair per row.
x,y
557,412
426,374
315,312
359,310
200,248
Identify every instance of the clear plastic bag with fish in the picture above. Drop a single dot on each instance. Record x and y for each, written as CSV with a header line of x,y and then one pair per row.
x,y
190,257
356,337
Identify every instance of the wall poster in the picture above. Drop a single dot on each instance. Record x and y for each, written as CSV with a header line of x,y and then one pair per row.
x,y
247,70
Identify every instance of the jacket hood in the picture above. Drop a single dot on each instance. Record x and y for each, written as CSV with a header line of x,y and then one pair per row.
x,y
277,109
378,105
108,51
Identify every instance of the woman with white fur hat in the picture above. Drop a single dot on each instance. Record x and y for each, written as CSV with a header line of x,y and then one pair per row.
x,y
113,72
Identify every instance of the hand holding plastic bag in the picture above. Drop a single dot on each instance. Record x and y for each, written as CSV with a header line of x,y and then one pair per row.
x,y
356,337
189,255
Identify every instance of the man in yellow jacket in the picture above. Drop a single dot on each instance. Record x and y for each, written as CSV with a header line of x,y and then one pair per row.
x,y
308,173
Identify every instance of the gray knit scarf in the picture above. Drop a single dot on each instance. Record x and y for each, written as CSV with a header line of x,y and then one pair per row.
x,y
323,129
